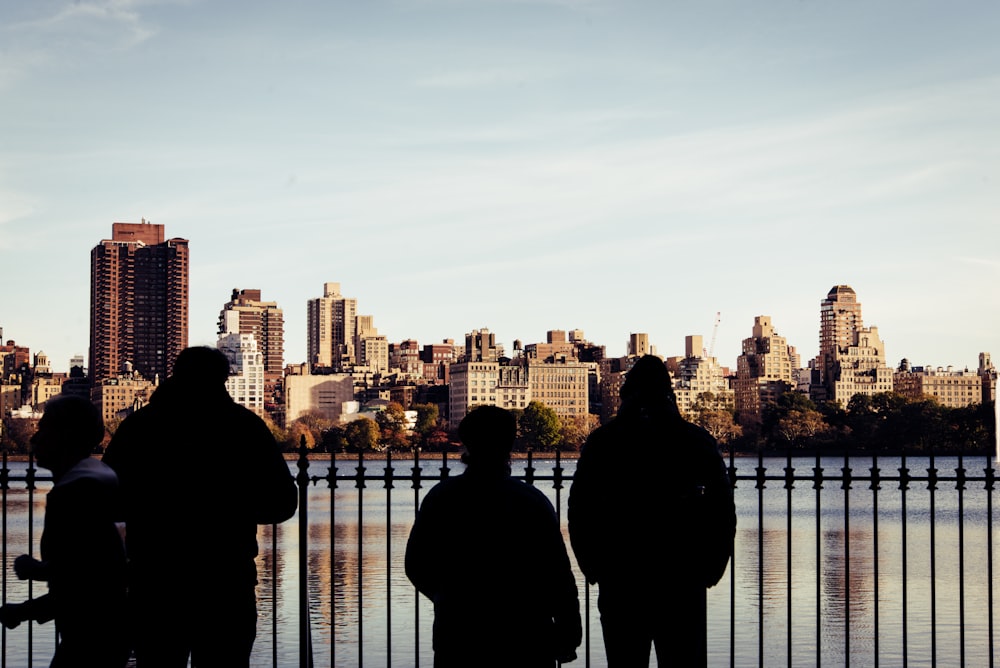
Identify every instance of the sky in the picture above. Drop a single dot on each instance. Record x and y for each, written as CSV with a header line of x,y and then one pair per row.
x,y
614,166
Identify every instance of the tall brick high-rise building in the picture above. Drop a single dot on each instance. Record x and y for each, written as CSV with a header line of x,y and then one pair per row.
x,y
138,301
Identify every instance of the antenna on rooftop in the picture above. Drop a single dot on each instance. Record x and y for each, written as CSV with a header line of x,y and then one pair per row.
x,y
715,331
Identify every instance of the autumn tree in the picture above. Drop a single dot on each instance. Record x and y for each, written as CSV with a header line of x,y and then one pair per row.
x,y
711,413
17,433
574,430
392,426
310,424
720,424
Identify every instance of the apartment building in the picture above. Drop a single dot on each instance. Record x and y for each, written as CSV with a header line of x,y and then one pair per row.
x,y
138,302
767,368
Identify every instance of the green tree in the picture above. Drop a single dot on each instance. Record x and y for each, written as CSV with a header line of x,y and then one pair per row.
x,y
786,405
334,439
427,418
798,427
362,435
539,427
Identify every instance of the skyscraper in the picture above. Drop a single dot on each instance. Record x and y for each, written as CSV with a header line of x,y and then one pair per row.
x,y
766,369
246,313
138,301
332,320
851,357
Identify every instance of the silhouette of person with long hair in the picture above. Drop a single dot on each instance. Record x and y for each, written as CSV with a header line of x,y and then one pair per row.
x,y
198,473
83,558
487,550
652,521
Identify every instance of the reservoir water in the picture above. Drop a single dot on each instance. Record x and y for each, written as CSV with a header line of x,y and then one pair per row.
x,y
827,576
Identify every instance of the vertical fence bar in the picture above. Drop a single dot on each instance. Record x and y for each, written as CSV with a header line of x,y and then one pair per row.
x,y
846,485
789,486
29,482
904,483
416,594
388,556
932,488
274,590
732,573
444,463
557,486
990,480
529,472
760,557
960,486
586,623
875,486
4,477
359,483
332,483
818,486
305,637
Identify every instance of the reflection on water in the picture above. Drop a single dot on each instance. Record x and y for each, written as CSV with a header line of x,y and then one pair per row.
x,y
908,589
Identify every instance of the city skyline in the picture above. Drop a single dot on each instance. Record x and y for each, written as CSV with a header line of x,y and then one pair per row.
x,y
615,167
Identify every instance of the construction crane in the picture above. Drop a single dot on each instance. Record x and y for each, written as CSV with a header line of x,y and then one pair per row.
x,y
715,330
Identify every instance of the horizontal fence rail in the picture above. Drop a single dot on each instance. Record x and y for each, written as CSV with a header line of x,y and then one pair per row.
x,y
840,561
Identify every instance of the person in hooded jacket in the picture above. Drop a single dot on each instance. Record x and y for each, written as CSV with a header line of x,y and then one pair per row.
x,y
82,554
651,522
198,473
487,550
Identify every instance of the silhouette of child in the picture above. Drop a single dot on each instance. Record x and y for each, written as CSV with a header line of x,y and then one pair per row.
x,y
83,557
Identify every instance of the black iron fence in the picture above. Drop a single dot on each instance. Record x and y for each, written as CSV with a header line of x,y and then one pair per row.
x,y
864,561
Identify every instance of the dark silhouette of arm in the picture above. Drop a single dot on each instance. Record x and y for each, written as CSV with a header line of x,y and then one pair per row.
x,y
565,599
423,548
584,508
276,496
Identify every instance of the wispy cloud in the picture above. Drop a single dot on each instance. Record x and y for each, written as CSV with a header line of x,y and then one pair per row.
x,y
485,77
36,41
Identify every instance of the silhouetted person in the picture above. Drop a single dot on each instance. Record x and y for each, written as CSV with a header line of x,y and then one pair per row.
x,y
198,474
487,550
651,520
83,558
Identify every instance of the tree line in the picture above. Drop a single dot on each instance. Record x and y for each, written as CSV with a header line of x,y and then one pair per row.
x,y
884,422
540,429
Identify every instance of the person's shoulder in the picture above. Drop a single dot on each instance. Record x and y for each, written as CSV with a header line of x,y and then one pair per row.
x,y
442,492
528,493
601,437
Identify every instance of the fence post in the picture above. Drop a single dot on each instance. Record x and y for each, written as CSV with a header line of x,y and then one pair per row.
x,y
305,636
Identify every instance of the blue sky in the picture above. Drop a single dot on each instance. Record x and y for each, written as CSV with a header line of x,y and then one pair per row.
x,y
520,165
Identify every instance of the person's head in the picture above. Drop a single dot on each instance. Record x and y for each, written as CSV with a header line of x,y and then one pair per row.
x,y
201,366
647,384
487,433
70,429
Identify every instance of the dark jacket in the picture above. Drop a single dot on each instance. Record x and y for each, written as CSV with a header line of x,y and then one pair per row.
x,y
488,551
651,505
83,560
198,473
